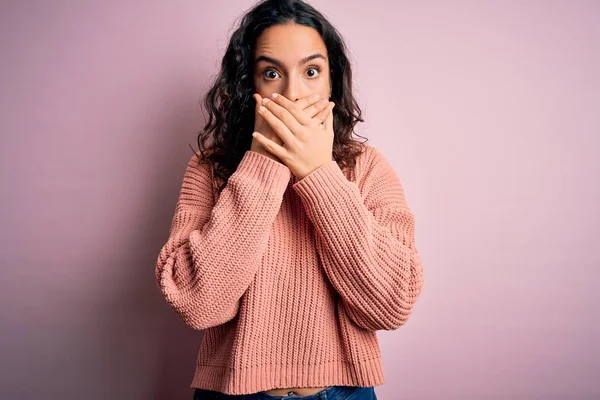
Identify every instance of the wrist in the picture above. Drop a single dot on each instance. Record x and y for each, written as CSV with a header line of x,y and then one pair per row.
x,y
262,151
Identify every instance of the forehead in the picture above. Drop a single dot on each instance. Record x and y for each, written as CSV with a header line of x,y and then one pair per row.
x,y
289,42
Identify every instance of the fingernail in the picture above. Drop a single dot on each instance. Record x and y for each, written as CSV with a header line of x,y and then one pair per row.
x,y
262,109
315,96
274,95
265,100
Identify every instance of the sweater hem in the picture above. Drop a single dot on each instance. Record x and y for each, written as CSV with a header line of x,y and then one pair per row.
x,y
258,378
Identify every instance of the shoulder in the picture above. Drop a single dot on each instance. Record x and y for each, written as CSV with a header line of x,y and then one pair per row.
x,y
197,167
198,175
197,189
378,181
370,163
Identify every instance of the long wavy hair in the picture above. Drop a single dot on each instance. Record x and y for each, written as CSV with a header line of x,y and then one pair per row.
x,y
229,102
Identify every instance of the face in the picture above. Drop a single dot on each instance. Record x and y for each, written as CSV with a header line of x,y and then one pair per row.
x,y
292,60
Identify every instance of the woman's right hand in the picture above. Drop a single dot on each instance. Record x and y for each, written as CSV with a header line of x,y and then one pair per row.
x,y
260,125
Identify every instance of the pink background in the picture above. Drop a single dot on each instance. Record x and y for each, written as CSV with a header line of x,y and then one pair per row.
x,y
489,111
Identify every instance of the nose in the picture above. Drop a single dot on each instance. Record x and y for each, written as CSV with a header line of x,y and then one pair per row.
x,y
292,89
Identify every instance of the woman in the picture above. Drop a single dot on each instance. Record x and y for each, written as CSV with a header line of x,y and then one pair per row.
x,y
291,244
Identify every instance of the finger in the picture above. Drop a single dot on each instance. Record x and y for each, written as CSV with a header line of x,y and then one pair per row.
x,y
292,107
313,104
322,115
303,115
306,101
314,109
276,123
328,123
283,114
270,145
257,98
259,120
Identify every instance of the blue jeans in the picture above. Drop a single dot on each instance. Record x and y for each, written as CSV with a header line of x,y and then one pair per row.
x,y
330,393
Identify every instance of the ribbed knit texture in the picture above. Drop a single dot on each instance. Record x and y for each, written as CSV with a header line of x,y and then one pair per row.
x,y
291,279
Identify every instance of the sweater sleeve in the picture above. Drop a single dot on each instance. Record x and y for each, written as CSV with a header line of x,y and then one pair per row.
x,y
365,240
213,250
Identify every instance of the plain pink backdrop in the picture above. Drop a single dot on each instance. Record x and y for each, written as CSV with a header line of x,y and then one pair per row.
x,y
489,112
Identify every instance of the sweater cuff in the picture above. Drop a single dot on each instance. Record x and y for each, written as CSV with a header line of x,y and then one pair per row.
x,y
326,179
263,171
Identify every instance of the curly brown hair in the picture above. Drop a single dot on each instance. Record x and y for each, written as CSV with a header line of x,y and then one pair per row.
x,y
230,104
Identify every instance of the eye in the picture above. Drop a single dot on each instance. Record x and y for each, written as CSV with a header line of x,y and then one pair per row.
x,y
272,72
316,73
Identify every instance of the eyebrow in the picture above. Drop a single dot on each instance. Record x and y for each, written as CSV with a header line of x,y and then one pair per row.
x,y
280,64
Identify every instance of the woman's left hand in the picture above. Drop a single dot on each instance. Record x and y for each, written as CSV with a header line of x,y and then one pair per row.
x,y
307,143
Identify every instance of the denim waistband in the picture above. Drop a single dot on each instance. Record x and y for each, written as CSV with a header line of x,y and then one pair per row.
x,y
329,393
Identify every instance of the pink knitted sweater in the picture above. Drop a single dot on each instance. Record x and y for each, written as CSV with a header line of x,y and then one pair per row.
x,y
290,279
